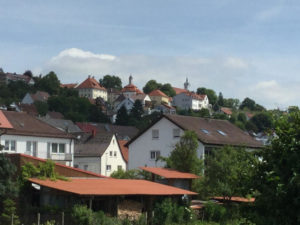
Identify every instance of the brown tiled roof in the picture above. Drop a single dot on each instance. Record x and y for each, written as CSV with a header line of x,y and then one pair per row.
x,y
24,124
227,111
234,199
106,187
40,96
179,90
169,173
29,109
90,82
195,96
55,115
124,149
4,123
157,93
212,131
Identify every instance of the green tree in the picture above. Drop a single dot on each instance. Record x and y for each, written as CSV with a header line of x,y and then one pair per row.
x,y
8,187
42,107
122,116
230,172
111,81
9,211
28,73
263,121
278,180
184,156
211,94
233,103
48,83
96,115
248,103
137,110
150,86
242,117
168,90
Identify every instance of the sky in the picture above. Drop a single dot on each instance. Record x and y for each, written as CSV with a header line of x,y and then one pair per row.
x,y
238,47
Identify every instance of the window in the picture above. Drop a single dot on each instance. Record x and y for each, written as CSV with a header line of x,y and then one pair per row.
x,y
58,147
115,154
155,134
108,167
176,133
10,145
76,166
154,155
85,167
120,167
221,132
205,131
110,153
28,146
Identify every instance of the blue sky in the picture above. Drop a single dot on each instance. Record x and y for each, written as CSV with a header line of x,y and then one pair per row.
x,y
241,48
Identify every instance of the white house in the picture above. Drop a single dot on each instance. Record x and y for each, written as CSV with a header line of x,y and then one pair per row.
x,y
160,138
190,100
30,136
99,153
90,88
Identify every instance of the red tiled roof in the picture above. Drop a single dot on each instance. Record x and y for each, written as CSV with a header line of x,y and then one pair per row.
x,y
196,96
169,173
179,90
131,88
86,127
124,149
157,93
226,110
235,199
108,186
4,123
60,168
90,82
69,85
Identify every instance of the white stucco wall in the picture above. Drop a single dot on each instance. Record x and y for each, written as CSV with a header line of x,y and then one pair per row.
x,y
98,164
184,101
92,93
139,150
42,149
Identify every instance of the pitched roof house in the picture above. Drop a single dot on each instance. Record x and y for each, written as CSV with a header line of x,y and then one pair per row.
x,y
90,88
31,136
190,100
41,96
158,97
13,77
130,89
160,138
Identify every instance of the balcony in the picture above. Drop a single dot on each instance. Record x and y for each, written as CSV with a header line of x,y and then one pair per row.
x,y
61,156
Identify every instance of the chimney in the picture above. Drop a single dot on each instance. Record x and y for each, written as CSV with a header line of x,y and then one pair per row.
x,y
93,132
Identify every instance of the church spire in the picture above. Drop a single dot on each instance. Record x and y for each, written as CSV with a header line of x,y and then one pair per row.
x,y
130,79
186,84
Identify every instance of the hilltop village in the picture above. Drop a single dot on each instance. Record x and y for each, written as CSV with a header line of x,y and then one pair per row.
x,y
120,149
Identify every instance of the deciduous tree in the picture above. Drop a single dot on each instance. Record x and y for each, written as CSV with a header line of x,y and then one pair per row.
x,y
111,81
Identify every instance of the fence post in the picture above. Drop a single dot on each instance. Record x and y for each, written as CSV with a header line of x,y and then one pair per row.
x,y
39,218
12,219
63,218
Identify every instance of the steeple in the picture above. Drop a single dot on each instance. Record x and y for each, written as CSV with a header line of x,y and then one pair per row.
x,y
130,79
186,84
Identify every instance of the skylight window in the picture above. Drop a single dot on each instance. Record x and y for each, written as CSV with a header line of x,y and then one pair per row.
x,y
205,131
221,132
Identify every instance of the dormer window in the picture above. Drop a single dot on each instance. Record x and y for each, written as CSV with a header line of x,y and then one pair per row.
x,y
205,131
222,133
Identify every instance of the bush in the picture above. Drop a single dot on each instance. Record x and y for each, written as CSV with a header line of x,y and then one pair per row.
x,y
214,212
81,215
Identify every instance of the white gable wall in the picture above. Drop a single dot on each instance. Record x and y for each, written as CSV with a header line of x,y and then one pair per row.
x,y
139,149
27,99
42,147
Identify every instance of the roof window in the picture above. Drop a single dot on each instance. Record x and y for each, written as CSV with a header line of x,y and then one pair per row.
x,y
205,131
221,132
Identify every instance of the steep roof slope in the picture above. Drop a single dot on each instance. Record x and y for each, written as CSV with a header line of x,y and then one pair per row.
x,y
91,83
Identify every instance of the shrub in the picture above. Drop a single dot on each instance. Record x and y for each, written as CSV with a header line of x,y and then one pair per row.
x,y
81,215
214,212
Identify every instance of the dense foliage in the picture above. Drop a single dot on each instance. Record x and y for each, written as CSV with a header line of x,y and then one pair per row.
x,y
111,82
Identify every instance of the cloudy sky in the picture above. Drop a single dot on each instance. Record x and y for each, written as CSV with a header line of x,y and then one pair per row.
x,y
237,47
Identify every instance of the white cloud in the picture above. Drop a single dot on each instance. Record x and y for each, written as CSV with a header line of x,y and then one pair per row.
x,y
233,76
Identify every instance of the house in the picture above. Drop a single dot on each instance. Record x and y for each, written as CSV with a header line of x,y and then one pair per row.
x,y
90,88
158,97
129,90
31,136
190,100
161,136
69,86
128,102
64,125
165,109
171,177
40,96
99,152
226,111
13,77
